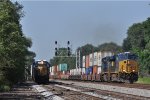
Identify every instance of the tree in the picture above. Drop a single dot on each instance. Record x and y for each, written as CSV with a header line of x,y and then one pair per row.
x,y
13,44
113,47
138,41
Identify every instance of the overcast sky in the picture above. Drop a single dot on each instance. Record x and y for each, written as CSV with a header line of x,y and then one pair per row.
x,y
80,22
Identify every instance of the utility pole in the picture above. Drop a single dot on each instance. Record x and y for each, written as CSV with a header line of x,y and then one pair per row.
x,y
78,65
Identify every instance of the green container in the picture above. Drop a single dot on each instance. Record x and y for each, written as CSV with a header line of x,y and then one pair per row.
x,y
63,67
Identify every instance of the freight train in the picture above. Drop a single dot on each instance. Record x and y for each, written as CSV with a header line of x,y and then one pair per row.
x,y
40,71
102,66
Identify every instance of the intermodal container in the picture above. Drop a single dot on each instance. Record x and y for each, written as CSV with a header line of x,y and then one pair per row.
x,y
58,68
100,56
91,59
55,68
95,57
108,53
99,70
62,67
83,61
95,69
87,61
89,70
83,70
50,69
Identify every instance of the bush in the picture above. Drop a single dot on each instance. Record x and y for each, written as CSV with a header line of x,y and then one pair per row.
x,y
4,88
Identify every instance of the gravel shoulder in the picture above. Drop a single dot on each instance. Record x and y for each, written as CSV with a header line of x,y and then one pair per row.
x,y
125,90
22,91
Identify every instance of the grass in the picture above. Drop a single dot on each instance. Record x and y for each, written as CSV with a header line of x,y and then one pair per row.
x,y
144,80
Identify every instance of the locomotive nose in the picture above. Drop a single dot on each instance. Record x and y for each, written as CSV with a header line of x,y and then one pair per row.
x,y
42,71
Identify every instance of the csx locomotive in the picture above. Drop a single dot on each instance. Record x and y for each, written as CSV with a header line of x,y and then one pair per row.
x,y
40,71
121,67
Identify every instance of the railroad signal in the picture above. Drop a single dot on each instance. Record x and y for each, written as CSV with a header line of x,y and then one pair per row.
x,y
56,42
68,42
68,48
56,49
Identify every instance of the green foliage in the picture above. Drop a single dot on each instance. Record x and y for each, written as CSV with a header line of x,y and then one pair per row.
x,y
87,49
138,41
113,47
14,45
144,80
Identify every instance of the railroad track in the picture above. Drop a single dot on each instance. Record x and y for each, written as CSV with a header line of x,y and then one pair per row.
x,y
64,91
22,91
69,93
107,94
125,93
128,85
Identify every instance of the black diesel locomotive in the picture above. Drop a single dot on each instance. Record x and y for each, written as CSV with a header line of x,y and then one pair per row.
x,y
40,71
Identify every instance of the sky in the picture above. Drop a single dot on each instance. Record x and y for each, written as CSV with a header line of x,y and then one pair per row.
x,y
80,22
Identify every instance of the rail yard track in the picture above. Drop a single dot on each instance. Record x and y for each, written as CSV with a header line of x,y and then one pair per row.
x,y
23,91
70,90
118,92
128,85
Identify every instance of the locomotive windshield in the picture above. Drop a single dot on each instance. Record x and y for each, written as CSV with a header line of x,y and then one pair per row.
x,y
41,63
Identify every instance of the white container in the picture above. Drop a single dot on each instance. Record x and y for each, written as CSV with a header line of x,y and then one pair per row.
x,y
99,58
83,70
83,61
95,62
75,72
108,53
58,68
99,70
91,59
50,69
64,72
52,73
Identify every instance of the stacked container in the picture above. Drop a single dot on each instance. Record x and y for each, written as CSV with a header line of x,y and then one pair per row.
x,y
87,61
91,57
95,63
62,67
83,61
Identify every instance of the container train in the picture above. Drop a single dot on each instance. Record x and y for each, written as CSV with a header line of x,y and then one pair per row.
x,y
40,71
101,66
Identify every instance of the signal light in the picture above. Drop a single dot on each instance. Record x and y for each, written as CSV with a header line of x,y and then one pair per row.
x,y
56,49
68,48
68,42
55,42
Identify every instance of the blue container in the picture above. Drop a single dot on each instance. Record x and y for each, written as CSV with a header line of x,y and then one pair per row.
x,y
89,70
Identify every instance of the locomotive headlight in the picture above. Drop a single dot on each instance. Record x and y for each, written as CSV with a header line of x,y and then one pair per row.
x,y
133,70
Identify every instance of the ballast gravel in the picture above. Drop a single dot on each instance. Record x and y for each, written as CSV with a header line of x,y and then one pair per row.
x,y
125,90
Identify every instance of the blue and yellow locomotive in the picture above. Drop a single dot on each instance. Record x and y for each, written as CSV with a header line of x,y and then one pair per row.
x,y
40,71
121,67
